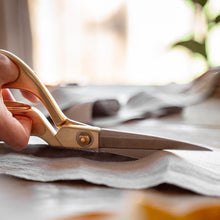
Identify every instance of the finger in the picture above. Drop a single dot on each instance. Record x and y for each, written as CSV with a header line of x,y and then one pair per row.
x,y
28,95
9,73
14,131
6,94
8,70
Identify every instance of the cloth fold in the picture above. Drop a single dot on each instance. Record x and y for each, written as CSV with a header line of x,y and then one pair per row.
x,y
193,170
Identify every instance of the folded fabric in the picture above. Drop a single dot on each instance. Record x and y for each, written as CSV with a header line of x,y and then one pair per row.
x,y
193,170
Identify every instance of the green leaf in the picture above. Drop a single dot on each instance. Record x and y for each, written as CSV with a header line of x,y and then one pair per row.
x,y
213,22
217,19
200,2
193,46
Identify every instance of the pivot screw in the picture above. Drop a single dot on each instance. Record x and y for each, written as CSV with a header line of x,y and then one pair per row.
x,y
84,139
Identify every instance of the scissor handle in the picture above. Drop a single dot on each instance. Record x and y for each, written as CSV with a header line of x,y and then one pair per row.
x,y
40,126
73,136
28,80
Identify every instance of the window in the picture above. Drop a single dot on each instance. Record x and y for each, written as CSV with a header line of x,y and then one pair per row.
x,y
121,41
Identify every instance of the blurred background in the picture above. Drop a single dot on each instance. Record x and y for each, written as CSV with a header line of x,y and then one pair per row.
x,y
113,42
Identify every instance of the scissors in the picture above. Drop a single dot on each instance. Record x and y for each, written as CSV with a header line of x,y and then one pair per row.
x,y
73,134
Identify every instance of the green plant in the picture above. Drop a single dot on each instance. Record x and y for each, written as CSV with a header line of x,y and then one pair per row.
x,y
196,42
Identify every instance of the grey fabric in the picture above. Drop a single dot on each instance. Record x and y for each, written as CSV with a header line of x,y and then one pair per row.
x,y
194,170
197,171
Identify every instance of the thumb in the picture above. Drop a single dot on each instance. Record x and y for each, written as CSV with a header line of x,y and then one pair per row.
x,y
14,131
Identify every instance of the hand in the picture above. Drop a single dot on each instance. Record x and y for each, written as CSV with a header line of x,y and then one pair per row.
x,y
14,131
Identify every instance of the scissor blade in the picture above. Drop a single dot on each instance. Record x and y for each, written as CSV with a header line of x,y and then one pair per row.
x,y
125,140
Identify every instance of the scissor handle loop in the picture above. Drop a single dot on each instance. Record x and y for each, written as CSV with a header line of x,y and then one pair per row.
x,y
28,80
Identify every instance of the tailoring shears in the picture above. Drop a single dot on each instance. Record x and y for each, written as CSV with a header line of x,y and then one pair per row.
x,y
73,134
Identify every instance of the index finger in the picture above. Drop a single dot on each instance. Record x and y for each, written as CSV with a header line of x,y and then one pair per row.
x,y
8,70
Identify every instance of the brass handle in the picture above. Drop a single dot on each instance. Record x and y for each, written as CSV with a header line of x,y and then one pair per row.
x,y
40,126
68,129
28,80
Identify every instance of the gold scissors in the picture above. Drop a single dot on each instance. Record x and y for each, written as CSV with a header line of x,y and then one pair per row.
x,y
73,134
